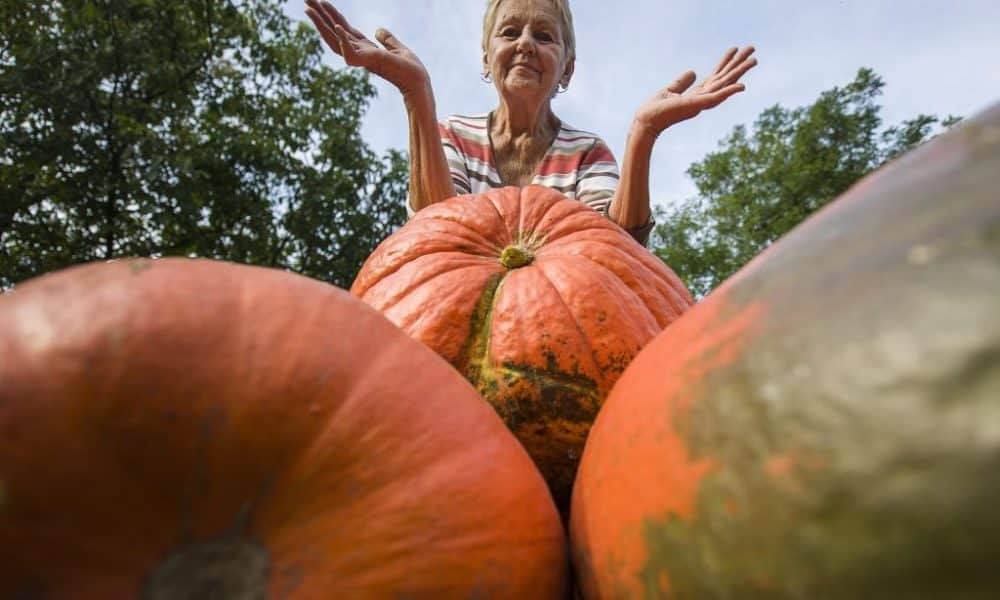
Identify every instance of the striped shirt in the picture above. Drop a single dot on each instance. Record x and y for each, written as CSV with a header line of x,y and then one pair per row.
x,y
578,164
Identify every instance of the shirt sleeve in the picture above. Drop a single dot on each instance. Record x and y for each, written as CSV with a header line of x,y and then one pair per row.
x,y
597,177
456,164
641,233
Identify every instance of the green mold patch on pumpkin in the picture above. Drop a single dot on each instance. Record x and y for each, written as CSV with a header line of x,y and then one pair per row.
x,y
548,410
226,567
546,395
551,419
554,394
761,517
615,365
230,565
551,414
855,436
821,492
475,354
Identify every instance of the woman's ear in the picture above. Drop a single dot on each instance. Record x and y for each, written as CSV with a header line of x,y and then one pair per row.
x,y
568,72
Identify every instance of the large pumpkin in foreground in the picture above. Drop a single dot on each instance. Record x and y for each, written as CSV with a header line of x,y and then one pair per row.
x,y
190,429
827,423
540,301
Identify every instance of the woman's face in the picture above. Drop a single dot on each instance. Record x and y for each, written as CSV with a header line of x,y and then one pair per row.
x,y
526,54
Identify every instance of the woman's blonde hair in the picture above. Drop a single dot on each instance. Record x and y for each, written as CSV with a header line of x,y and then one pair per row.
x,y
565,22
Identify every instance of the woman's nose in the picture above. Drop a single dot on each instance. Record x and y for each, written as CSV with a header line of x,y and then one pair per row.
x,y
526,43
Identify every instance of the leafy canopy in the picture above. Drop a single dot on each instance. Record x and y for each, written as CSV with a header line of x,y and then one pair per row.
x,y
183,127
762,183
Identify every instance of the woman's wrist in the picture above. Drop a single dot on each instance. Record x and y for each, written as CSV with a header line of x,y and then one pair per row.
x,y
419,97
417,94
641,135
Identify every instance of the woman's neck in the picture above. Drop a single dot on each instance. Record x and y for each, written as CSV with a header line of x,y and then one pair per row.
x,y
513,122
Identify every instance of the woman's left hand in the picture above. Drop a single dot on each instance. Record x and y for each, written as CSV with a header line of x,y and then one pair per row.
x,y
676,103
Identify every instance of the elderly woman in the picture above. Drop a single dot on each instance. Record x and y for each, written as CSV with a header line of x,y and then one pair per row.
x,y
529,55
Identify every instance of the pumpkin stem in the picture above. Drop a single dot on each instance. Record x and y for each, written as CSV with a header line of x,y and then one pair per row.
x,y
513,257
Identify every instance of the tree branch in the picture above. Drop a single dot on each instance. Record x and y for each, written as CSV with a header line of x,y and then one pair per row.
x,y
202,64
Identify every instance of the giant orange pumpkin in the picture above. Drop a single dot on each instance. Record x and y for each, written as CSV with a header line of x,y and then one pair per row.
x,y
191,429
538,300
827,423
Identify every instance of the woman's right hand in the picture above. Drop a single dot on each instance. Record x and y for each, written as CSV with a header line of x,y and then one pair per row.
x,y
395,63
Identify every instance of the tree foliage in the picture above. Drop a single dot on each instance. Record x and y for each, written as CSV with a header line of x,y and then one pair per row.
x,y
183,127
762,183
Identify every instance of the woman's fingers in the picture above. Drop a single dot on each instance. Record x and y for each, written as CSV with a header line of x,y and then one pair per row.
x,y
736,59
733,58
741,70
319,15
728,56
715,98
326,31
385,37
325,13
350,49
330,15
339,19
680,84
737,67
339,35
717,81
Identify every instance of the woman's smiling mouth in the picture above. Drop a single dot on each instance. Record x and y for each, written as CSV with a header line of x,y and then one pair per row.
x,y
524,66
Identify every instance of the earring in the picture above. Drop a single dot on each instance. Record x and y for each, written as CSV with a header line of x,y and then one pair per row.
x,y
562,87
486,76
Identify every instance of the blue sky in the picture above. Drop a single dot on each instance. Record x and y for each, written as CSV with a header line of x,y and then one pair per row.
x,y
935,57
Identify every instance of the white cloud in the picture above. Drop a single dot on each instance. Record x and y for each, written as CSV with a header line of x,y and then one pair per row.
x,y
936,57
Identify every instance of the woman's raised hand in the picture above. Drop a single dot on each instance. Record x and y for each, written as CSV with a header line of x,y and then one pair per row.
x,y
676,103
395,63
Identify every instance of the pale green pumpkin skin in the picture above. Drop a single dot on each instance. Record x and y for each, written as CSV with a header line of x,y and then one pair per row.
x,y
827,423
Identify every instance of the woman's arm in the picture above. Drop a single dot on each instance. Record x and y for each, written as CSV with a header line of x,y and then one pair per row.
x,y
630,206
430,179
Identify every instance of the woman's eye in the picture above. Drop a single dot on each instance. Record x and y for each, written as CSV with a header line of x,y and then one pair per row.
x,y
509,33
544,36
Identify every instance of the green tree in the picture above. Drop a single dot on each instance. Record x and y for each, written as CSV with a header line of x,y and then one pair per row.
x,y
183,127
761,184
